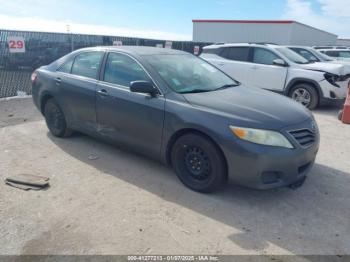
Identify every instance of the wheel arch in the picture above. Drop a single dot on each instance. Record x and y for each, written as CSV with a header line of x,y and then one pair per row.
x,y
186,131
44,98
298,81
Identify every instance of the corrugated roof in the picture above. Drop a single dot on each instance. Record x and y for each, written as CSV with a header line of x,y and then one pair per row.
x,y
245,21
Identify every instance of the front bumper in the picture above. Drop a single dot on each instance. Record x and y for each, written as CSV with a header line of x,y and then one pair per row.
x,y
264,167
333,93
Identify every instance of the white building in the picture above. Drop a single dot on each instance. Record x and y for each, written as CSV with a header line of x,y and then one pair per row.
x,y
343,42
284,32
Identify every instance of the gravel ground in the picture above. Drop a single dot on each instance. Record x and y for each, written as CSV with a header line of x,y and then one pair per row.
x,y
104,200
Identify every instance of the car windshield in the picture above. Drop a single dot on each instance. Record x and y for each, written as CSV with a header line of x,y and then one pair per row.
x,y
306,54
189,74
293,56
324,56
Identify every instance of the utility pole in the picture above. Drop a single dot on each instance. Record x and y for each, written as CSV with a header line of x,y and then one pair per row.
x,y
71,38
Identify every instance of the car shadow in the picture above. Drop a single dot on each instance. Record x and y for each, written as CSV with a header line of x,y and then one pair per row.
x,y
328,110
310,220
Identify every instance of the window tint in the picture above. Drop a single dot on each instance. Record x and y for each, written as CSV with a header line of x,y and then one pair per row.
x,y
212,51
87,64
332,53
345,54
236,53
264,56
66,67
121,70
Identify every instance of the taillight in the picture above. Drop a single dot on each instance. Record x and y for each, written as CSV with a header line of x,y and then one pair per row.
x,y
34,76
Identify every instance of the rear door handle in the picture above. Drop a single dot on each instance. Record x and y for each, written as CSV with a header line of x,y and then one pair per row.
x,y
58,81
103,92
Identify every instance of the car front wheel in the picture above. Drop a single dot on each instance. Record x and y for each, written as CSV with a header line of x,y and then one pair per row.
x,y
55,119
305,95
198,163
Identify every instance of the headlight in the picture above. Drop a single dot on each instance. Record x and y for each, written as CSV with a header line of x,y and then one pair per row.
x,y
332,79
260,136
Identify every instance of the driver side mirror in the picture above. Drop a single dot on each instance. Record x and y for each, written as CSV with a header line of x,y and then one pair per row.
x,y
143,87
279,62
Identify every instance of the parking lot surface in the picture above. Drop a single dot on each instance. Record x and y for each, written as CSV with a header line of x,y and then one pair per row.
x,y
104,200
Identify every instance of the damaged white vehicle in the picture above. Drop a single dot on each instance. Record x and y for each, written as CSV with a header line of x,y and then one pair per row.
x,y
279,69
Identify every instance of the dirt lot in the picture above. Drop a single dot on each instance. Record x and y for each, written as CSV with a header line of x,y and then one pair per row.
x,y
122,203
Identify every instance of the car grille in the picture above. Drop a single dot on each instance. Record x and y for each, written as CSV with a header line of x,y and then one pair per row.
x,y
304,137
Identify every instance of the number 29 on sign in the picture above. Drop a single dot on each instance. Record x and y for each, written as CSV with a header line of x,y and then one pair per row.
x,y
16,44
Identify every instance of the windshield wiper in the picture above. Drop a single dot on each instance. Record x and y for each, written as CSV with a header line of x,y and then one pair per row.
x,y
195,91
225,86
208,90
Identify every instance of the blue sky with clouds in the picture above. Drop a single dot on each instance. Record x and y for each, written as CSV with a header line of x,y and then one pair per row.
x,y
162,18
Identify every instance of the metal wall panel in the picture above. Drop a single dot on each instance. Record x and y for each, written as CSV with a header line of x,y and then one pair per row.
x,y
241,32
305,35
343,42
279,33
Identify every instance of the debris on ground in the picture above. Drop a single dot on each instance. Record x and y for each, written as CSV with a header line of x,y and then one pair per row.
x,y
28,182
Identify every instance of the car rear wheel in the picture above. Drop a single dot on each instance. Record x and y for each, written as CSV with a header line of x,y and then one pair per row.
x,y
306,95
55,119
198,163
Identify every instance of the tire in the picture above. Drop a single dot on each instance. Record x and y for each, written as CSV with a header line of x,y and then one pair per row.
x,y
55,119
198,163
306,95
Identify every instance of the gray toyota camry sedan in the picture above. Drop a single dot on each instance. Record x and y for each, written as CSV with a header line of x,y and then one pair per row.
x,y
177,108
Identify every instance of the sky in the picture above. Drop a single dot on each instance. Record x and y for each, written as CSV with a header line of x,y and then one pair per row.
x,y
164,19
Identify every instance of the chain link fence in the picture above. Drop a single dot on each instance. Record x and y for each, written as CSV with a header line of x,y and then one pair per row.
x,y
42,48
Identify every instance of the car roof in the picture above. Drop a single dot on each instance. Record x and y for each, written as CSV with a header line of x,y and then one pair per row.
x,y
137,50
299,46
240,44
334,50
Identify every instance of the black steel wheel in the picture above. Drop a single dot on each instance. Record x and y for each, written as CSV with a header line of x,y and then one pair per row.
x,y
55,119
198,163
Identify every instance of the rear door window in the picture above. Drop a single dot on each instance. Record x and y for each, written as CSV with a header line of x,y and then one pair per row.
x,y
236,53
264,56
87,64
66,67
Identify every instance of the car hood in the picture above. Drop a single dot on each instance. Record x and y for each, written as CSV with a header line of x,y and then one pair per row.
x,y
251,107
339,62
333,68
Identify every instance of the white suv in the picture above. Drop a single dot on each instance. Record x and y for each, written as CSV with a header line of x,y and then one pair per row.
x,y
280,69
339,54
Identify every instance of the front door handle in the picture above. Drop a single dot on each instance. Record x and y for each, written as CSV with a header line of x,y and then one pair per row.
x,y
58,81
103,92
